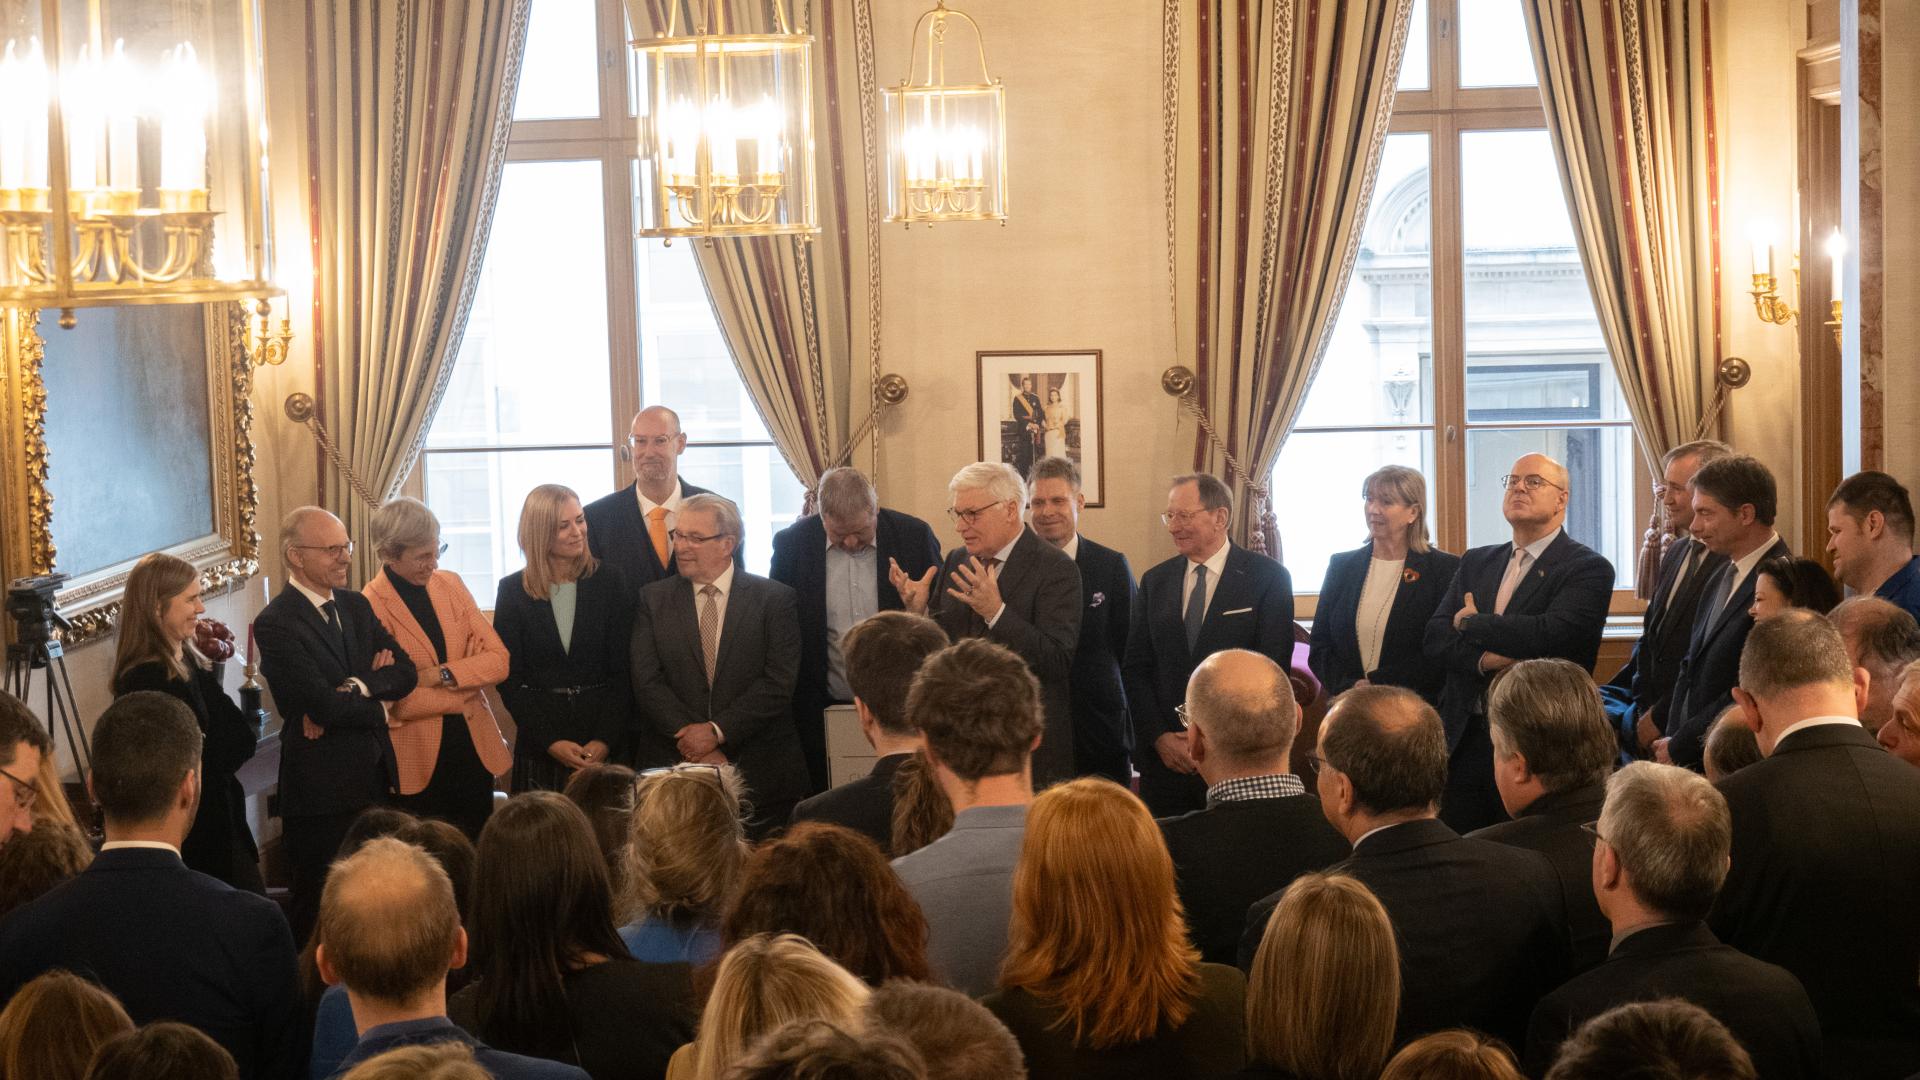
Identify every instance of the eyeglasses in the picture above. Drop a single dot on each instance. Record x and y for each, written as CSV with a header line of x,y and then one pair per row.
x,y
1181,517
1531,481
338,551
693,539
24,791
1180,711
658,442
1315,762
1592,828
437,552
695,768
968,517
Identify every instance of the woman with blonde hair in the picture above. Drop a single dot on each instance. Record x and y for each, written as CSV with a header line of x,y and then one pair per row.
x,y
567,623
1325,988
686,848
445,740
1095,988
53,1026
158,616
1370,626
763,983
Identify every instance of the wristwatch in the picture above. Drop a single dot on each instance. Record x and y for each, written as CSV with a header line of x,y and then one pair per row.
x,y
446,677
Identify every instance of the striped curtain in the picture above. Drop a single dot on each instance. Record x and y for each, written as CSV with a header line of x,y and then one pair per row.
x,y
796,313
1276,111
1630,97
408,108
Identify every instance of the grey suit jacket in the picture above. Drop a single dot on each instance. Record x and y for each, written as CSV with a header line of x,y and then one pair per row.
x,y
752,693
964,882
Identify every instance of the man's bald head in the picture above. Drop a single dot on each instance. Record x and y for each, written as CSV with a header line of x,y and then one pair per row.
x,y
1390,745
658,414
389,928
1545,466
1242,703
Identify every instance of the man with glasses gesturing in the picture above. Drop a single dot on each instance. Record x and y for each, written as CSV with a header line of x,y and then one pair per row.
x,y
1540,594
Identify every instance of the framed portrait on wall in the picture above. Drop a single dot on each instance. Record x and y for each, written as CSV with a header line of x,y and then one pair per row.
x,y
1044,403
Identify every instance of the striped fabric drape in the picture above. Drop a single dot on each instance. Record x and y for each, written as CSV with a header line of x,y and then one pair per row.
x,y
1279,111
408,108
1629,92
795,313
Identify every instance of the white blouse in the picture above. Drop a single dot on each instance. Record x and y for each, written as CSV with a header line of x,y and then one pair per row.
x,y
1376,603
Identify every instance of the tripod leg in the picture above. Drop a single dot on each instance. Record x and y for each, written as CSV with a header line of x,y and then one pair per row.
x,y
83,753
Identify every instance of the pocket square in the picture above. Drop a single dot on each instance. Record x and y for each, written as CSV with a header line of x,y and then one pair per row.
x,y
1098,599
1237,611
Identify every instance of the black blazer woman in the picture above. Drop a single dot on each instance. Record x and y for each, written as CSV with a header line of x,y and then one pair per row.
x,y
159,613
1375,601
567,622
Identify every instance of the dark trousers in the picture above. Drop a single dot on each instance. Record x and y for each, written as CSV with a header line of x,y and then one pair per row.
x,y
1471,800
1167,793
460,792
311,842
1097,756
810,722
770,818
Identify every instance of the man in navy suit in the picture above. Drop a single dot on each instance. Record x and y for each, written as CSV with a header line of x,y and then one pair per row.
x,y
1870,536
390,931
1541,594
1643,683
169,942
836,564
1733,510
1102,732
1213,595
629,528
333,670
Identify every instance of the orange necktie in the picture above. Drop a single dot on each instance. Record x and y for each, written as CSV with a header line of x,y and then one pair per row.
x,y
657,529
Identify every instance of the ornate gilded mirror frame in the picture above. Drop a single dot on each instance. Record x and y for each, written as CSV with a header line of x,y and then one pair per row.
x,y
91,601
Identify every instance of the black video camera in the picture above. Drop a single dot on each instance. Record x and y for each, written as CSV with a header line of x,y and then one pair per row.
x,y
30,602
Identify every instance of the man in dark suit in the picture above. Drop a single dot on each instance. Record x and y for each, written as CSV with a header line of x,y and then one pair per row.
x,y
1541,594
836,564
1102,731
168,942
390,931
629,527
333,670
1826,849
1479,924
1009,586
1733,510
716,651
1213,595
1261,829
883,653
1552,751
1643,683
1870,536
1661,858
1030,418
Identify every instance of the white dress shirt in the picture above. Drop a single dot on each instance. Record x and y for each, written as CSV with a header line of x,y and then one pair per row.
x,y
1744,565
1072,547
1002,555
1216,565
672,504
1816,721
320,603
149,845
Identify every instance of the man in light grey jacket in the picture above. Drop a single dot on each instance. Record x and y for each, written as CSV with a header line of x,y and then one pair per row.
x,y
979,707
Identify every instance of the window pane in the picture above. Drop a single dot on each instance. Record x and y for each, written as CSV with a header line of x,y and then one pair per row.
x,y
559,75
1324,470
1378,367
1414,62
758,481
1493,45
477,497
532,368
1601,477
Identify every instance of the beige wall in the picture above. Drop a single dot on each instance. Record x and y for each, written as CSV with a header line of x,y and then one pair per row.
x,y
1900,176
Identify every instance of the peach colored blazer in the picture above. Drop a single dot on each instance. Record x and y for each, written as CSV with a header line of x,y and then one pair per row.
x,y
475,655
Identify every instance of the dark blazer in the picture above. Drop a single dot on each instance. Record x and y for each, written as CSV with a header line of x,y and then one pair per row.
x,y
1479,925
1667,630
1252,608
220,843
598,658
1211,1043
752,694
498,1064
1704,686
1041,588
1824,882
1335,657
171,944
1559,610
617,535
624,1019
1762,1005
350,766
864,805
1228,856
1551,825
1102,730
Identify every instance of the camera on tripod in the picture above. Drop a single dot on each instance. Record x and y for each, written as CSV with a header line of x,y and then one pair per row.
x,y
30,602
37,647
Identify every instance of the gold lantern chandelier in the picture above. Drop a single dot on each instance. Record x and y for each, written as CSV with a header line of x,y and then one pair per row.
x,y
133,162
726,129
946,142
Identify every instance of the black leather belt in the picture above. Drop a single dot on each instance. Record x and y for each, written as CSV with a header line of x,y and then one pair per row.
x,y
574,691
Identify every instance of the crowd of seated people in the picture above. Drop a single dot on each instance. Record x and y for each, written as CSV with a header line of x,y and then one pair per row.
x,y
1084,848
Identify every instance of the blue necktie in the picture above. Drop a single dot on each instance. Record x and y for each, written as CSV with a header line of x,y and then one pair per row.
x,y
1197,605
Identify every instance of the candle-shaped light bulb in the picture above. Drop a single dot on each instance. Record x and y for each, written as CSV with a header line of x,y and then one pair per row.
x,y
13,125
30,88
683,137
85,116
767,137
186,100
1761,233
123,163
723,138
1837,251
